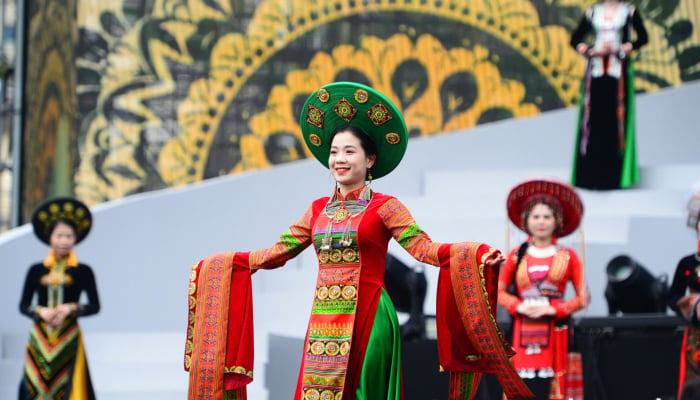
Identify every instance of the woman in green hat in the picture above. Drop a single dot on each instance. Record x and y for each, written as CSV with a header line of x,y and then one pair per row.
x,y
352,345
55,364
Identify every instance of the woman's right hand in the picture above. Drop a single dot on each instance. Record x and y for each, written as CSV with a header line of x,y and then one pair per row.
x,y
46,314
535,311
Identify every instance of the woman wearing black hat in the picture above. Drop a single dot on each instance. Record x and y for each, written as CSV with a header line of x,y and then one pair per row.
x,y
684,299
541,269
352,347
55,364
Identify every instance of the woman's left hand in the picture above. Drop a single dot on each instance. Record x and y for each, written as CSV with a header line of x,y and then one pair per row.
x,y
61,313
535,311
495,259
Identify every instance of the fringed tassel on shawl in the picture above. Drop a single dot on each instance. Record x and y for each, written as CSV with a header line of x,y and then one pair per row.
x,y
236,394
464,385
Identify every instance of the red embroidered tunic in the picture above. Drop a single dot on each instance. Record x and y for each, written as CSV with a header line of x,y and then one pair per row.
x,y
352,346
542,345
350,315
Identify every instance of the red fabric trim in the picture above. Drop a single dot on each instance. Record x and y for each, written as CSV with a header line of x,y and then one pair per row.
x,y
469,339
220,328
681,375
239,338
464,385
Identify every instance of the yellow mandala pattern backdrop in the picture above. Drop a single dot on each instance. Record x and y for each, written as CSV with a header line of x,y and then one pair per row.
x,y
171,92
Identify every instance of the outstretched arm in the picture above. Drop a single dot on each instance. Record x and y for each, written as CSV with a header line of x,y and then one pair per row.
x,y
411,237
408,234
292,242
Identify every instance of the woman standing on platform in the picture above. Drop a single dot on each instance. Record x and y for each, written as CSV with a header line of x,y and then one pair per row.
x,y
605,155
55,364
540,269
352,346
684,299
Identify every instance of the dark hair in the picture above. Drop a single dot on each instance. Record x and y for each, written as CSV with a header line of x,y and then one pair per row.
x,y
365,141
64,221
558,220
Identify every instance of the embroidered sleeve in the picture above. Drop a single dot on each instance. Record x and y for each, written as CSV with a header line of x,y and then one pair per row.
x,y
291,243
505,278
577,279
407,233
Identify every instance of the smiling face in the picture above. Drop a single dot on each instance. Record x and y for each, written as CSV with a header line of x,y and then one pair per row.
x,y
62,239
348,161
541,223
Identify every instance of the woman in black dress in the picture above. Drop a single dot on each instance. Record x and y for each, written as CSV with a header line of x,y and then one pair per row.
x,y
55,363
605,155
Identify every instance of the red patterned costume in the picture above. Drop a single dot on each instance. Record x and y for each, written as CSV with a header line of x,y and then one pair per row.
x,y
540,276
353,341
542,270
353,344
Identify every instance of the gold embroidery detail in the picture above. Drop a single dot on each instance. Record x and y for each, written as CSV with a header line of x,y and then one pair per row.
x,y
334,292
349,254
332,348
315,140
349,292
392,138
345,110
379,114
324,256
312,394
315,116
336,255
340,214
317,348
361,96
323,95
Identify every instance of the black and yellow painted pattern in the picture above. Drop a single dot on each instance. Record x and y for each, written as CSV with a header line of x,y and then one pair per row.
x,y
171,92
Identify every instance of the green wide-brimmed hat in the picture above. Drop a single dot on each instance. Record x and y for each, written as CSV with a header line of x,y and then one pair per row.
x,y
47,213
354,104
